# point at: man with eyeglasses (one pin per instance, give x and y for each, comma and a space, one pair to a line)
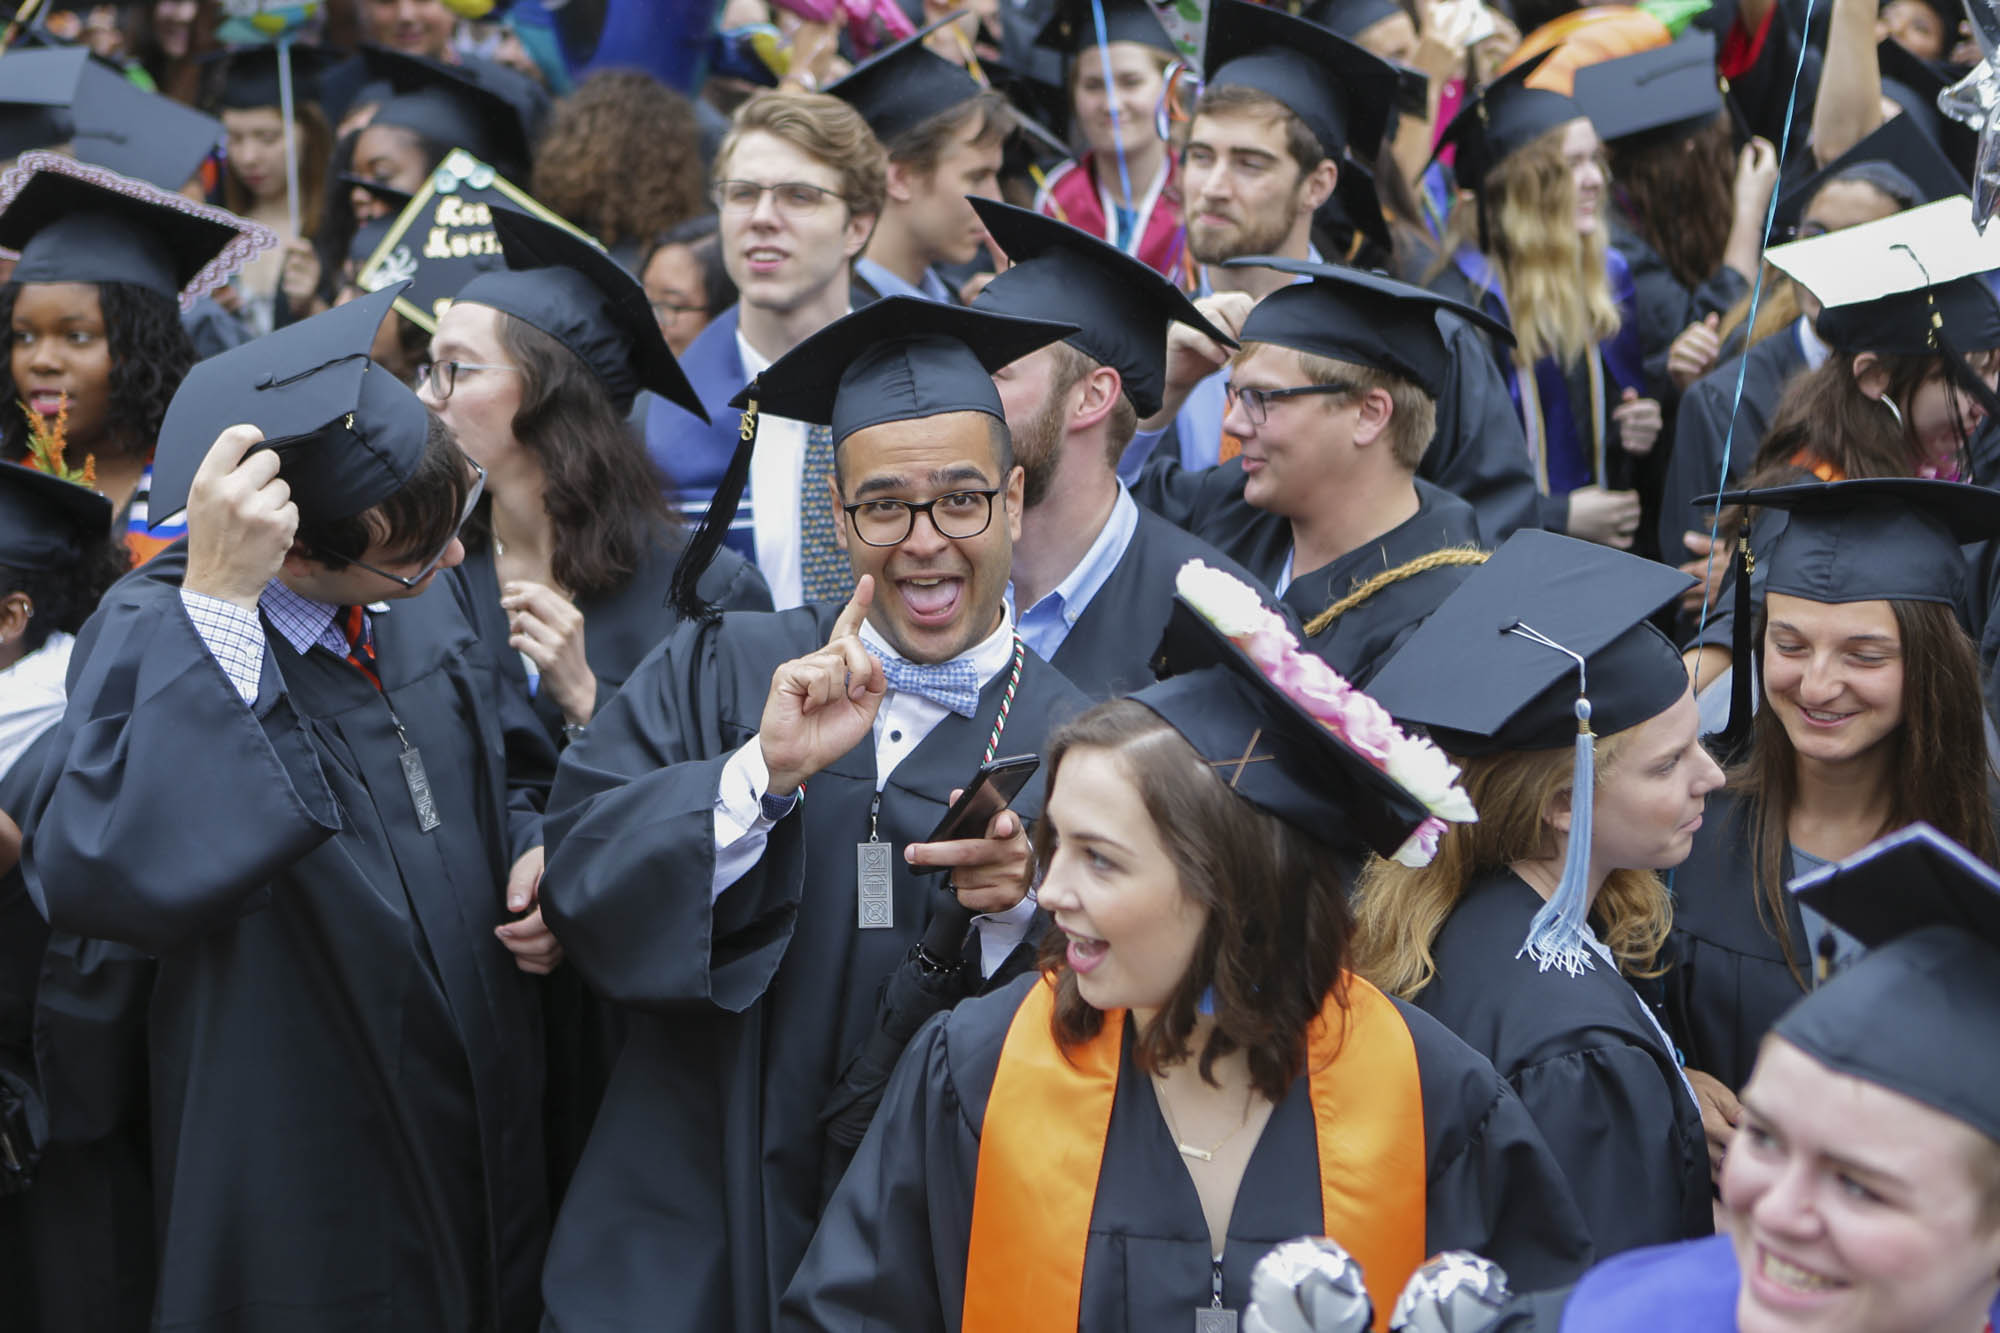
286, 776
1286, 106
737, 845
798, 185
943, 133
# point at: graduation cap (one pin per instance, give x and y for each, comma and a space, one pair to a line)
1918, 249
1913, 84
1898, 158
1072, 27
36, 90
564, 284
250, 74
1344, 94
1501, 119
45, 522
73, 222
348, 434
1363, 318
1266, 746
1123, 305
489, 110
367, 239
445, 237
903, 358
397, 200
1671, 90
905, 85
1919, 1014
53, 97
1351, 18
1548, 643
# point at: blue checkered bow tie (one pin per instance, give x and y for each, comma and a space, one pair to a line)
953, 684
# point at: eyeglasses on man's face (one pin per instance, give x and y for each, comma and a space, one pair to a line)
792, 199
1257, 402
430, 567
955, 514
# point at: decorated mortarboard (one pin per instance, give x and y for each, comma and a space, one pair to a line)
560, 281
1549, 643
1672, 90
903, 358
445, 237
905, 85
47, 519
488, 110
1345, 95
1366, 319
1316, 752
1919, 1014
74, 222
1073, 27
1898, 159
1124, 307
367, 239
348, 434
62, 96
251, 78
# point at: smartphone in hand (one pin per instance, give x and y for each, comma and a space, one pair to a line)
991, 790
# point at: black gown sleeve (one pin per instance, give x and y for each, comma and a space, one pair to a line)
1480, 452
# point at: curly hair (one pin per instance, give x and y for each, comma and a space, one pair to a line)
621, 157
1275, 943
150, 356
64, 595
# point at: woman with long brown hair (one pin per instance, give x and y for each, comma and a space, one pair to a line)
1195, 1076
1871, 720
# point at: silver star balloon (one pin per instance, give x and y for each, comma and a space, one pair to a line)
1975, 101
1308, 1285
1452, 1292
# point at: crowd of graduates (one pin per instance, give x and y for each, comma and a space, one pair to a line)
965, 674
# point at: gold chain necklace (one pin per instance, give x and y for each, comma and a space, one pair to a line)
1188, 1149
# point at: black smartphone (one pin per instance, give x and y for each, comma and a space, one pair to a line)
991, 790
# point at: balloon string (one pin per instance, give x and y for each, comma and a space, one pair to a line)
1127, 214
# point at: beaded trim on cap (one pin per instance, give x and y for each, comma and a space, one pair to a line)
252, 238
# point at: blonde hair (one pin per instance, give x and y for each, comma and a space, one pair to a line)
1399, 911
1414, 420
825, 129
1555, 281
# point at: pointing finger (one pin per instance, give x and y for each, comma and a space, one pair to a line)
855, 611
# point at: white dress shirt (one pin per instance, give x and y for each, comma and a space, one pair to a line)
775, 466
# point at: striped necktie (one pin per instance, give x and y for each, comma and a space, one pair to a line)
360, 652
825, 574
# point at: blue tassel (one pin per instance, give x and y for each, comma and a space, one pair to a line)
1559, 934
1205, 1006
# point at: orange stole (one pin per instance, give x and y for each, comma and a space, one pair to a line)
1040, 1156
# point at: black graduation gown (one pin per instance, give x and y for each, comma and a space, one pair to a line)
701, 1182
1593, 1072
1701, 424
620, 626
1109, 650
1729, 980
344, 1062
891, 1252
1664, 305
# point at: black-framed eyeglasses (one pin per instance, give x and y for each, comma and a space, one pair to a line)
442, 376
793, 199
1257, 402
430, 568
955, 514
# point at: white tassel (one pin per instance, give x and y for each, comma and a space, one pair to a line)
1559, 934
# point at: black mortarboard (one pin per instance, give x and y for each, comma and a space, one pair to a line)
367, 239
902, 87
487, 109
445, 237
348, 433
1672, 90
1898, 158
902, 358
1351, 18
53, 97
1501, 119
73, 222
560, 282
1363, 318
1919, 1014
1072, 27
1472, 675
396, 199
1272, 752
46, 521
1124, 307
1344, 94
250, 76
1913, 84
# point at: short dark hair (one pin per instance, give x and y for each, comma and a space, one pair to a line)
698, 234
415, 523
997, 436
1234, 99
65, 593
922, 146
1276, 941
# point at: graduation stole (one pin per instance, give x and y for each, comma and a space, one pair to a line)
1042, 1147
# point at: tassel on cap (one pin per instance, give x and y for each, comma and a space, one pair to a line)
713, 530
1559, 935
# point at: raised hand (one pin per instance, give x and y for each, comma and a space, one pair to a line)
241, 519
547, 627
821, 705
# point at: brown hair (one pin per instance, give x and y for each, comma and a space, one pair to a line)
600, 489
1414, 421
824, 128
1275, 942
1825, 414
1070, 367
923, 145
1400, 910
621, 157
1940, 764
415, 523
1680, 191
315, 152
1778, 308
1234, 99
